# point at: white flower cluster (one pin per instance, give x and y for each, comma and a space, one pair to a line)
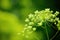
37, 19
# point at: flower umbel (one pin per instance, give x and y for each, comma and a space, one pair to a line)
39, 18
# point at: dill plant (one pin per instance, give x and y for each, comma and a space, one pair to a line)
44, 18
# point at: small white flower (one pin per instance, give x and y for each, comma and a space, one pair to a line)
47, 9
55, 23
58, 25
36, 11
56, 13
51, 20
27, 20
53, 16
51, 11
30, 15
31, 23
58, 28
29, 26
32, 19
34, 29
56, 19
40, 24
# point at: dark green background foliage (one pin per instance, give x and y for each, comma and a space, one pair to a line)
14, 12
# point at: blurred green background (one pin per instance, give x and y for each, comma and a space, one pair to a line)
14, 12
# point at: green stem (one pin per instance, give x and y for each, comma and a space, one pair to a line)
52, 26
54, 35
46, 31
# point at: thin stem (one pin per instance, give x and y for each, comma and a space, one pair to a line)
54, 35
52, 26
46, 31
